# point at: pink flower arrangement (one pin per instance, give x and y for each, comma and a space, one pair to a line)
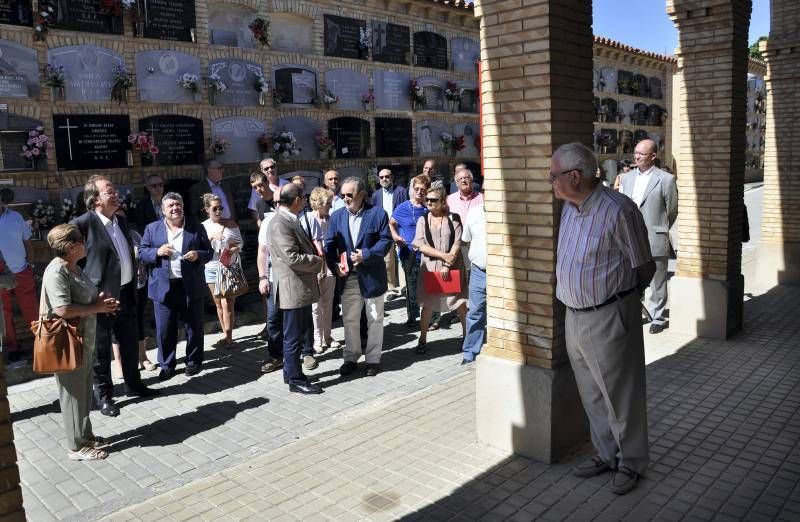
37, 144
324, 143
144, 143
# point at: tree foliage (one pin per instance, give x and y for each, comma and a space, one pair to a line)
754, 51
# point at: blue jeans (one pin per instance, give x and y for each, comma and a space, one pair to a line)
476, 316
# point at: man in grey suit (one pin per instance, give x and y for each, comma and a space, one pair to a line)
295, 268
656, 194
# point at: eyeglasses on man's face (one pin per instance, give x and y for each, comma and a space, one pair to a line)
347, 195
156, 185
554, 175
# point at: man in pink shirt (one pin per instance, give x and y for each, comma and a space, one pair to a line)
467, 197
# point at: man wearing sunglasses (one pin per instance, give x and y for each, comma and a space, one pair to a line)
389, 197
148, 209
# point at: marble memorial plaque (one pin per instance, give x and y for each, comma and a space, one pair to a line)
297, 84
88, 71
430, 50
169, 19
228, 25
179, 139
390, 43
19, 71
240, 78
625, 112
85, 15
16, 12
342, 37
350, 135
463, 53
401, 172
312, 178
391, 90
96, 141
393, 137
157, 73
469, 98
349, 86
353, 170
304, 130
291, 33
243, 134
429, 134
608, 79
625, 82
434, 93
471, 133
14, 130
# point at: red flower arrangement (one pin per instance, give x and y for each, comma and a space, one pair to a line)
144, 143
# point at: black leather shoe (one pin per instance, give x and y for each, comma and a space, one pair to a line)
166, 374
372, 370
142, 391
347, 368
591, 467
305, 389
108, 408
465, 362
193, 369
264, 334
656, 328
624, 480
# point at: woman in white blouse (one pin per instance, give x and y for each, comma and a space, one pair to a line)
221, 238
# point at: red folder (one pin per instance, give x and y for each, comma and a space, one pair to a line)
433, 283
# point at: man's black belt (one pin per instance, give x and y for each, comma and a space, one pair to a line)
612, 299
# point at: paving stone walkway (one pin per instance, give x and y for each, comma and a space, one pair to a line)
724, 420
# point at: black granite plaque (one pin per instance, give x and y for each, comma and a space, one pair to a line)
430, 50
91, 141
402, 173
390, 43
351, 136
16, 12
85, 15
393, 137
296, 85
342, 37
179, 139
169, 19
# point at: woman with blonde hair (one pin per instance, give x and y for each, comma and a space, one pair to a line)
222, 238
69, 294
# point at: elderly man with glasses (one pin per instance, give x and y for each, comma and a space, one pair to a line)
603, 265
272, 183
389, 197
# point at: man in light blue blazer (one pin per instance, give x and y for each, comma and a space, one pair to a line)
360, 231
656, 194
177, 250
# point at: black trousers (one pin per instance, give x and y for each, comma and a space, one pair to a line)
122, 326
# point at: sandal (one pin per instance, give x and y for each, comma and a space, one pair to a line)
433, 326
148, 365
87, 453
421, 347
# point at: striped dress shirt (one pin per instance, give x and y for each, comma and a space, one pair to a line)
600, 243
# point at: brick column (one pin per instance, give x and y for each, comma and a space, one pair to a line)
10, 492
778, 259
711, 90
536, 82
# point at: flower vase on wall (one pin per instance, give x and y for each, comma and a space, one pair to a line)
211, 96
262, 98
57, 93
138, 29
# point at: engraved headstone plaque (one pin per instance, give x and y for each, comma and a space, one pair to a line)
350, 136
393, 137
390, 43
471, 133
179, 139
292, 33
85, 15
312, 178
88, 71
349, 86
19, 71
239, 77
391, 90
228, 25
242, 133
96, 141
342, 37
169, 19
429, 134
16, 12
430, 50
304, 130
434, 93
157, 74
297, 84
464, 52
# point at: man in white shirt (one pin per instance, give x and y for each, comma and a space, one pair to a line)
333, 182
212, 183
274, 327
475, 234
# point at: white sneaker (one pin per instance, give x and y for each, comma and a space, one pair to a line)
309, 363
319, 348
333, 344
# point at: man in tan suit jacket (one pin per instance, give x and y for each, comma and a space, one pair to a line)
295, 268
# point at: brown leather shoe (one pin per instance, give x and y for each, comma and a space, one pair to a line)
271, 365
591, 467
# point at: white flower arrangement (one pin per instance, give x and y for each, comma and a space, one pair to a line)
446, 141
365, 38
262, 85
67, 210
188, 82
216, 83
285, 145
44, 215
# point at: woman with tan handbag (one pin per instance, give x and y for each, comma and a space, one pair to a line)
438, 238
69, 294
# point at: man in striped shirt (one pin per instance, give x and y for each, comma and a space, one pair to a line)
603, 266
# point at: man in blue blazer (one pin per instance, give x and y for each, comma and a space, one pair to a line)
177, 250
361, 232
388, 197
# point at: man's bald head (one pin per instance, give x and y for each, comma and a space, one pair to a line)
644, 154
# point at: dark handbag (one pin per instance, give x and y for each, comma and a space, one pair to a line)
231, 281
57, 343
434, 283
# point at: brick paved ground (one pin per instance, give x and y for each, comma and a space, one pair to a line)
724, 432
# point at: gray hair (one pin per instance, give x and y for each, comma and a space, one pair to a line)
577, 156
213, 164
90, 190
463, 169
438, 186
361, 186
174, 196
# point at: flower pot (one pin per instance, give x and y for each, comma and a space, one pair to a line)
275, 103
452, 105
323, 154
138, 29
262, 98
211, 96
327, 106
57, 93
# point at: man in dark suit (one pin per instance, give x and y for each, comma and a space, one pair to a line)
148, 209
110, 264
361, 231
178, 249
295, 268
388, 197
212, 183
